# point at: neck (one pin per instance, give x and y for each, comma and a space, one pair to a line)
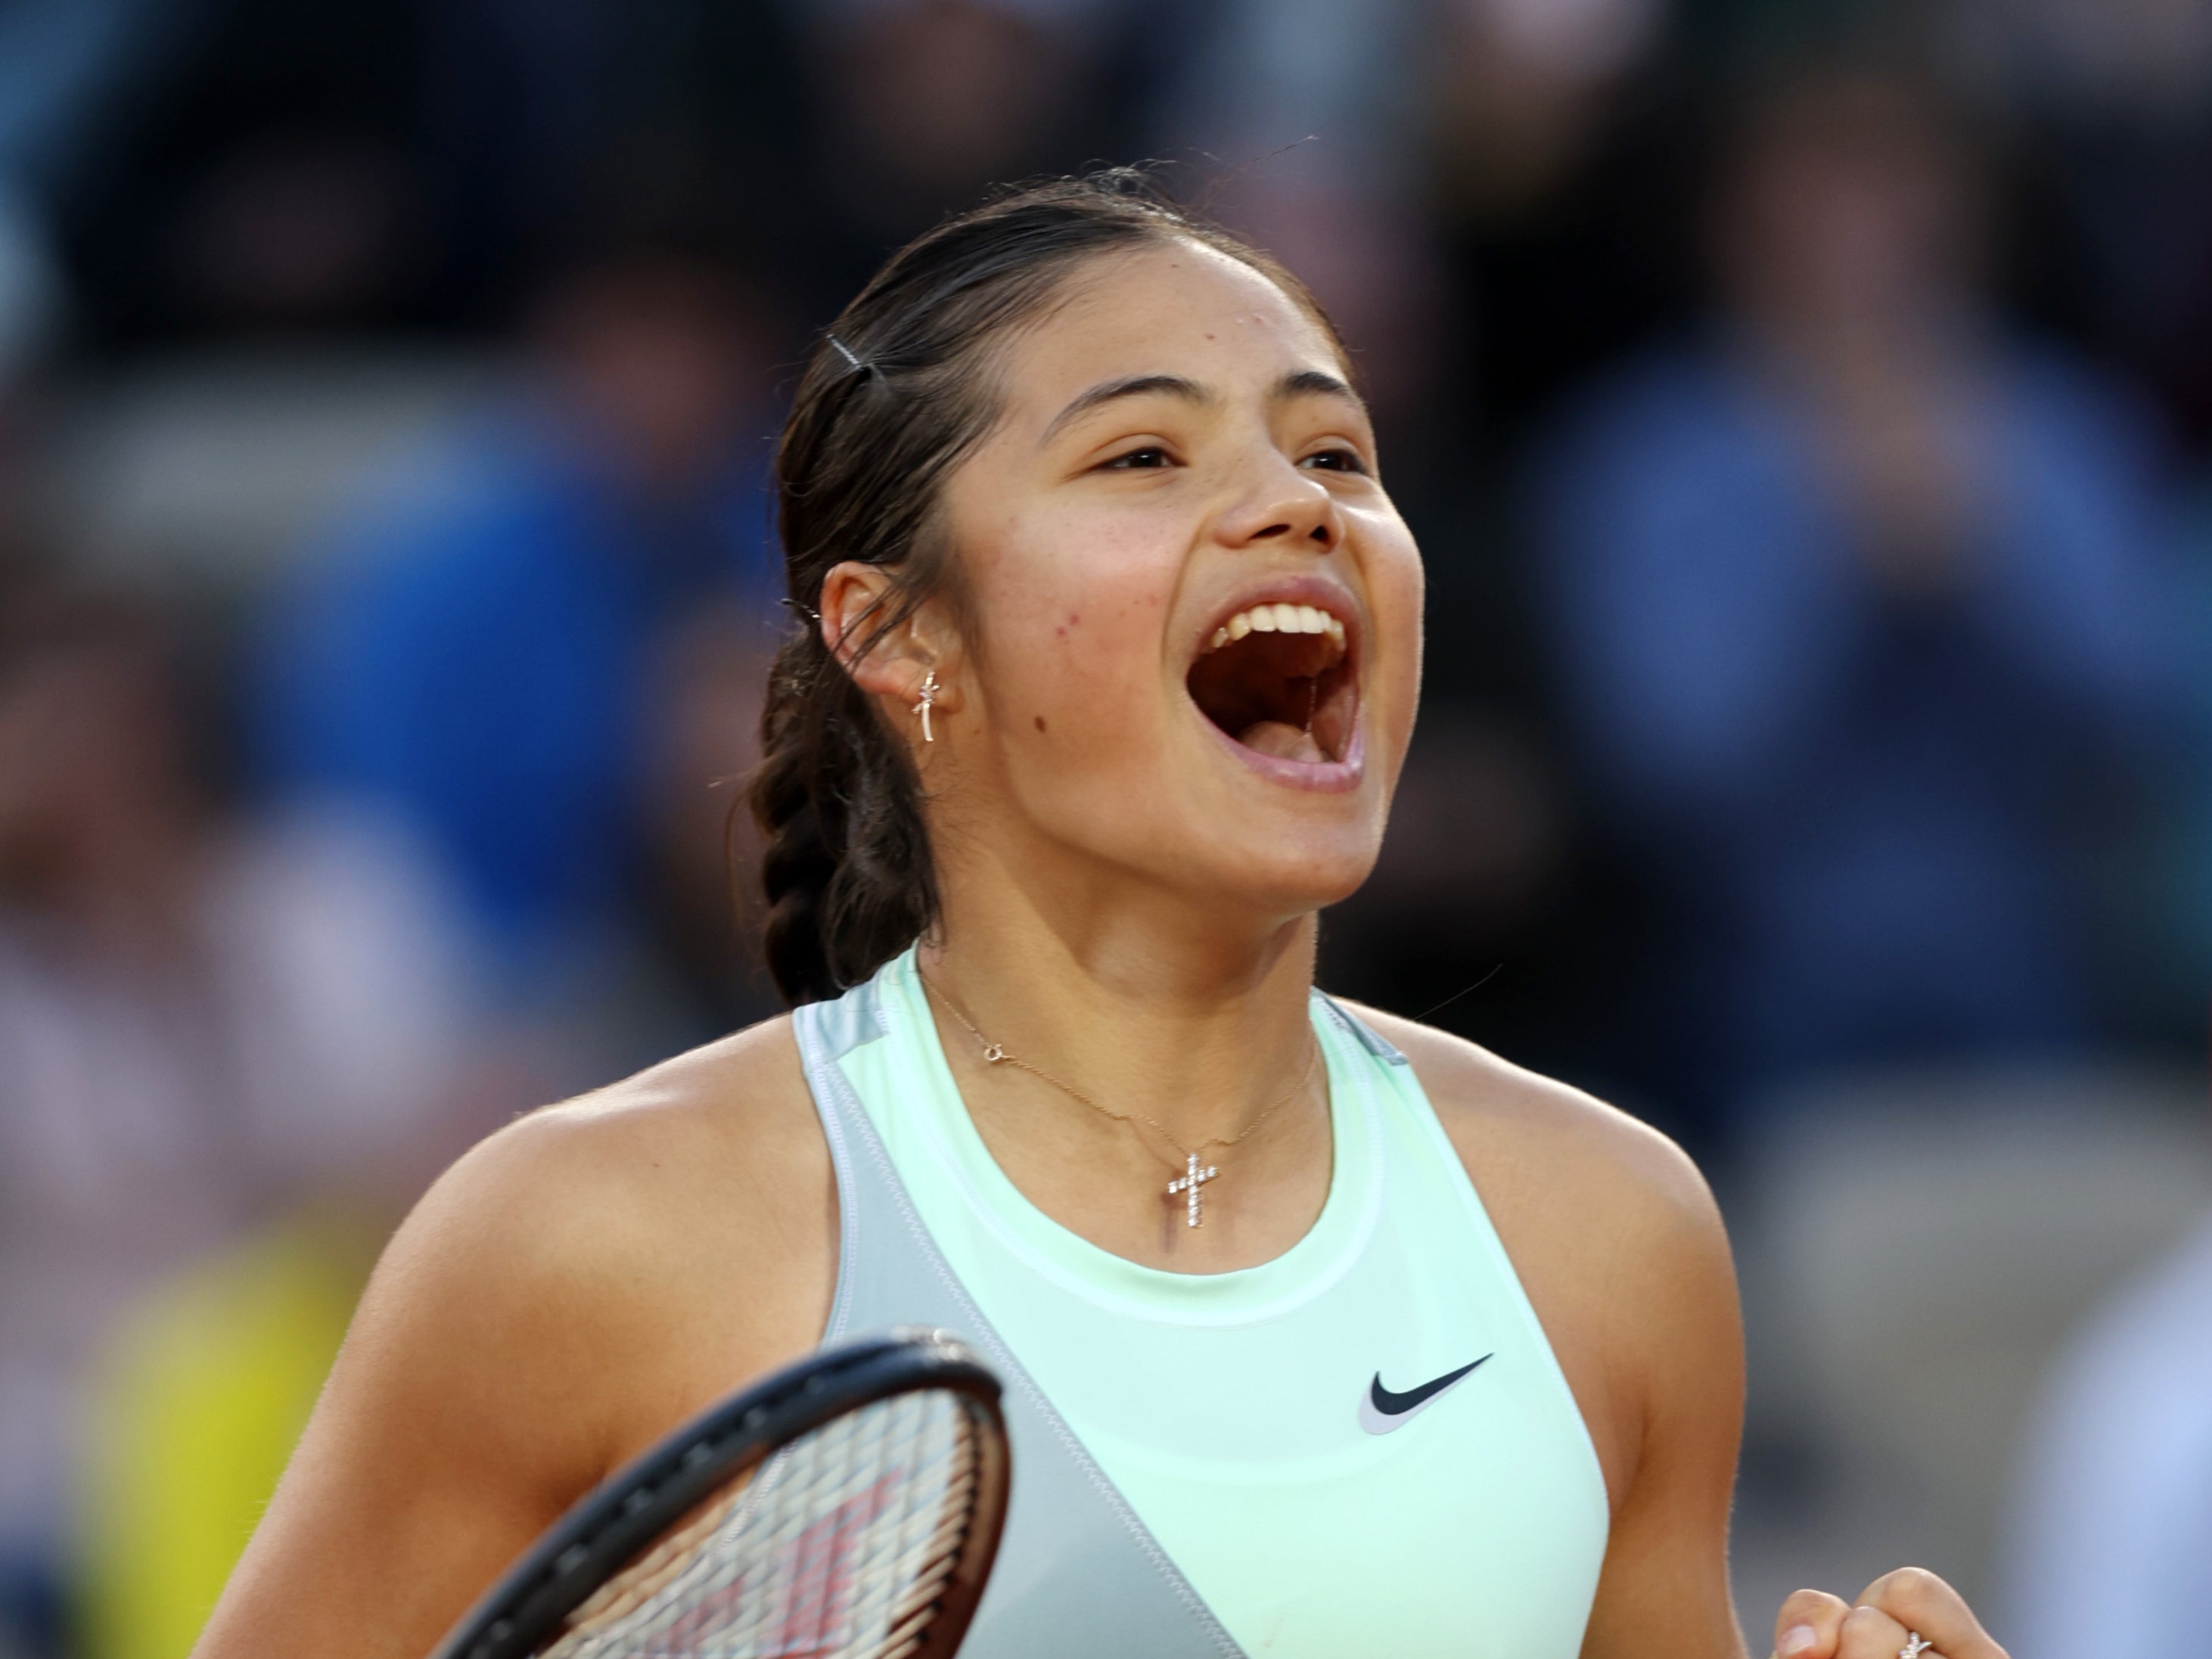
1146, 1001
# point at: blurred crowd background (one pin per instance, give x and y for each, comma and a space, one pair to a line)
1806, 412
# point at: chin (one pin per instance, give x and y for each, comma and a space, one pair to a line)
1260, 876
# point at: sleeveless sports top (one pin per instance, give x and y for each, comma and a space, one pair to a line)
1362, 1447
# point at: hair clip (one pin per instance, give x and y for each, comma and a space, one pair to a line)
805, 610
860, 365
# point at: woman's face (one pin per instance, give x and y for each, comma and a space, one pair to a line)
1194, 637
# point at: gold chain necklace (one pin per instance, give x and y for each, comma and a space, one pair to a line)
1195, 1175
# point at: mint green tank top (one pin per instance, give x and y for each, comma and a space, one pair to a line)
1364, 1446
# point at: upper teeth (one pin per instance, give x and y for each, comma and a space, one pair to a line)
1278, 619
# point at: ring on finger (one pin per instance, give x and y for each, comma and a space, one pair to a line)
1915, 1646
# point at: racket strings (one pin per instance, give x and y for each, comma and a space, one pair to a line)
645, 1578
838, 1548
931, 1562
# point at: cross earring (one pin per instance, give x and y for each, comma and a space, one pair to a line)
922, 708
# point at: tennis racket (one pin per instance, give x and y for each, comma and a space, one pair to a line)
847, 1507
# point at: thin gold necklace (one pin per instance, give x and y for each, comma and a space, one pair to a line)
1195, 1175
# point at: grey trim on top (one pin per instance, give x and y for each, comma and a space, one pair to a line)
1370, 1039
849, 1021
1079, 1576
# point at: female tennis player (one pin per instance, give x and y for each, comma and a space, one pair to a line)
1324, 1334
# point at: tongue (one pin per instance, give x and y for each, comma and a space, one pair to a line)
1283, 742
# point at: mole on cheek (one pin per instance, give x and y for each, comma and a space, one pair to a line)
1040, 722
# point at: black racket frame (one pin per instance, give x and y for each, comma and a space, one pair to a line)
621, 1517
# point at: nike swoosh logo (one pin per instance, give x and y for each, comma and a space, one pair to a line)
1381, 1410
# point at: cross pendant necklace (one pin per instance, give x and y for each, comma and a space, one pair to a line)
1192, 1179
1195, 1175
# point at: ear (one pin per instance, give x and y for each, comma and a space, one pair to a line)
892, 663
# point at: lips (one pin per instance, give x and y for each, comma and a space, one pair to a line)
1276, 678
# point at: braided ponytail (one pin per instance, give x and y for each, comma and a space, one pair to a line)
845, 865
898, 393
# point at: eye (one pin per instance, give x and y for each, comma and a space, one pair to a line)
1150, 457
1336, 460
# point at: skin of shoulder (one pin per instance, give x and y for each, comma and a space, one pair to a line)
1618, 1242
570, 1291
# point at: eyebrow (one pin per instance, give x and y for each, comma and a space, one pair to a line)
1130, 386
1313, 383
1299, 383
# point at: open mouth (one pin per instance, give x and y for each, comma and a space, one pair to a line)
1278, 679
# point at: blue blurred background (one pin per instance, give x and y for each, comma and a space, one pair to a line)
1806, 411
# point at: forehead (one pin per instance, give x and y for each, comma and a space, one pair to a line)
1179, 308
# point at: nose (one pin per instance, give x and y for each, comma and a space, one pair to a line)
1286, 506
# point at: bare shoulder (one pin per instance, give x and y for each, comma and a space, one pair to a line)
565, 1294
1521, 1132
1610, 1225
609, 1262
722, 1129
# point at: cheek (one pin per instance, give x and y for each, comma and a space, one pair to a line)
1409, 630
1397, 590
1073, 629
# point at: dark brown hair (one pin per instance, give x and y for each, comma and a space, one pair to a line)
894, 397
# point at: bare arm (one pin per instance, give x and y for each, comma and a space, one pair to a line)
1617, 1240
1620, 1245
458, 1420
1676, 1340
568, 1292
